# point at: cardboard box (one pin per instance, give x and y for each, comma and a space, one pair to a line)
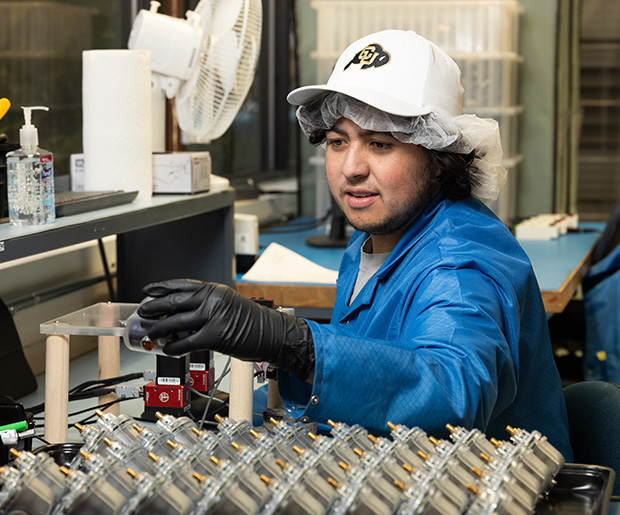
173, 172
181, 172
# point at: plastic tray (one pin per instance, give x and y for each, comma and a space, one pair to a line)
580, 490
454, 25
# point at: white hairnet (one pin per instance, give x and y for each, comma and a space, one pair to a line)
435, 131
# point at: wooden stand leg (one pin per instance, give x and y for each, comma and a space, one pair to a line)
109, 366
241, 400
56, 388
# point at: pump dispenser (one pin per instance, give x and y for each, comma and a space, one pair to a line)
30, 177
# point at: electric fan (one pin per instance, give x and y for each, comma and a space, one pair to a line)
206, 62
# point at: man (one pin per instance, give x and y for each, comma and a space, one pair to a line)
438, 316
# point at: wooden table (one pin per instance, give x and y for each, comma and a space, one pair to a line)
561, 264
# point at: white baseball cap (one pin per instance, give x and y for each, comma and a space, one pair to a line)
396, 71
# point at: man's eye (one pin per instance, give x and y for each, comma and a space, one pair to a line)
380, 145
334, 142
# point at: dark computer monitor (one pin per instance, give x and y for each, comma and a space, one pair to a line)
337, 234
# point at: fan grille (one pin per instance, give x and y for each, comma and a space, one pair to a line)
210, 99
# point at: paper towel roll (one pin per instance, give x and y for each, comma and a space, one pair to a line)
116, 97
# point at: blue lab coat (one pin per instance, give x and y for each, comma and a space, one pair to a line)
451, 329
601, 300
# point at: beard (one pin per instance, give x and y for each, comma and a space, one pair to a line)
405, 213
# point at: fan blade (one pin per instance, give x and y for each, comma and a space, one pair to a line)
226, 56
225, 15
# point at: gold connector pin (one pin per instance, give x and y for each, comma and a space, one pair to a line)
400, 485
199, 477
333, 482
477, 471
473, 489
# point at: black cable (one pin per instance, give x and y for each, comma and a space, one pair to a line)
292, 228
38, 437
96, 392
107, 382
76, 396
276, 192
88, 389
223, 374
36, 409
101, 407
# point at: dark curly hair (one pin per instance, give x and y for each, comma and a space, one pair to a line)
456, 172
456, 169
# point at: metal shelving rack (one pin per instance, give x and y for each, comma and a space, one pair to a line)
599, 148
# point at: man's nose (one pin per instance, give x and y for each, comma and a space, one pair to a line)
355, 163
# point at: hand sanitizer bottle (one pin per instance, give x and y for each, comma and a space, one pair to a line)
30, 178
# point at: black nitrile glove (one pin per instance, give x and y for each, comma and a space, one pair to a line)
218, 318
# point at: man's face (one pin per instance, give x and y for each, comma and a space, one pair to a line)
380, 184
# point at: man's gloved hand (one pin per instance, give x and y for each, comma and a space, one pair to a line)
220, 319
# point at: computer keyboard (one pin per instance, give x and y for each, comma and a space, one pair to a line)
74, 202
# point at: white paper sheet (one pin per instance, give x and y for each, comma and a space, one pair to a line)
281, 265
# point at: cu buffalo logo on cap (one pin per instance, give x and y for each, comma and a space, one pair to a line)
372, 56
